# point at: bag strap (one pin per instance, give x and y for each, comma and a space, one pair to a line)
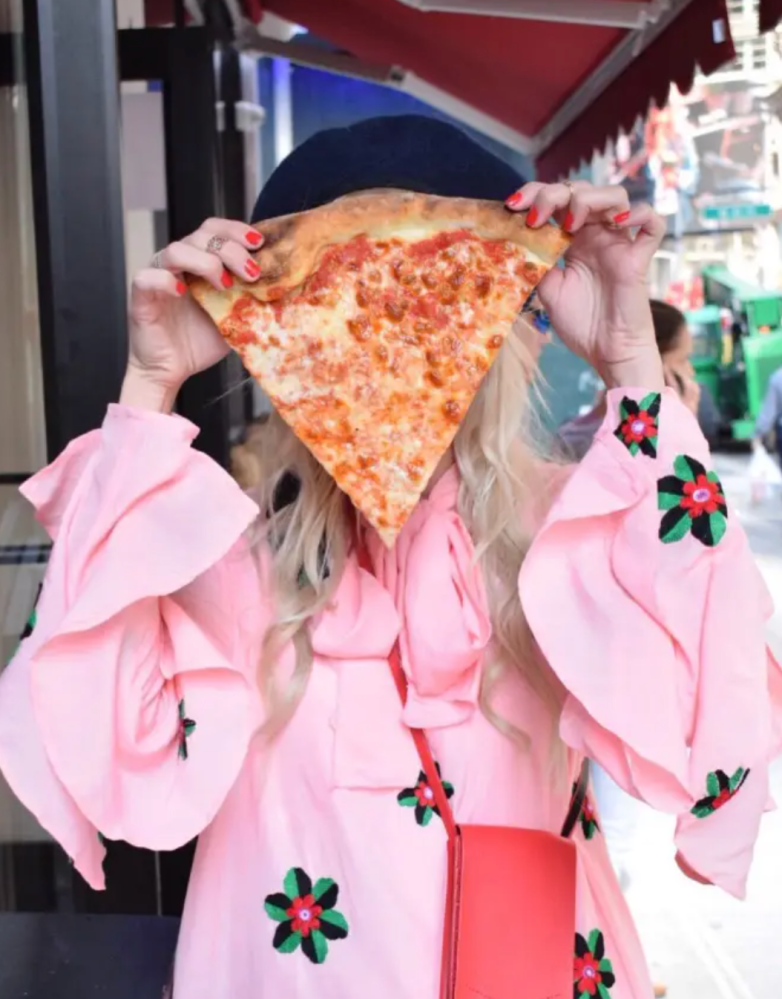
428, 764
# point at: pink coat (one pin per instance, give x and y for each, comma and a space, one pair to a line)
320, 866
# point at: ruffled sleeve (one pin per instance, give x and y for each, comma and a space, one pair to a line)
643, 596
130, 708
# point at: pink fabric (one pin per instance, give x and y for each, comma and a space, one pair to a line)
661, 647
154, 607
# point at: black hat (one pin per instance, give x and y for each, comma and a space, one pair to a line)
408, 152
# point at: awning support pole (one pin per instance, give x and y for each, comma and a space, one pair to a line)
596, 13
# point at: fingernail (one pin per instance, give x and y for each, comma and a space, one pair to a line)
226, 280
514, 200
254, 238
251, 269
181, 287
569, 220
621, 217
532, 216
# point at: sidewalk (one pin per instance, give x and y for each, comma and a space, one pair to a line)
699, 941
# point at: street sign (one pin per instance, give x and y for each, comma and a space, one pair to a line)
732, 213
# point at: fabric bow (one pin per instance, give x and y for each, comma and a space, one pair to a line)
437, 588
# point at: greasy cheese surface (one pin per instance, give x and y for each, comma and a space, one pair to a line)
376, 358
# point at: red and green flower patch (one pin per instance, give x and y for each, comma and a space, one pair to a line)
592, 971
29, 627
694, 503
588, 817
306, 916
720, 789
32, 620
421, 798
639, 425
186, 728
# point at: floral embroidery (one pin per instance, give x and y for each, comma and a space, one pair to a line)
32, 620
721, 788
592, 971
421, 797
588, 817
186, 728
694, 502
306, 915
639, 425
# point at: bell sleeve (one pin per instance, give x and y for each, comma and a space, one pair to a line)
643, 596
130, 707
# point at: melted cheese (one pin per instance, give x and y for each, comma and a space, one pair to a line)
375, 360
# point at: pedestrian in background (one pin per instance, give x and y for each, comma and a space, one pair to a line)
674, 341
769, 421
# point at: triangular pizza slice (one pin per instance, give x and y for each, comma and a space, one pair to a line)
373, 324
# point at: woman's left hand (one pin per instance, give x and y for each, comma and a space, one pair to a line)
599, 302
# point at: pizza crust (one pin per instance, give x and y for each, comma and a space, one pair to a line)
373, 325
293, 244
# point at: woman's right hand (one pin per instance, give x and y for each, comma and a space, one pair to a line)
171, 337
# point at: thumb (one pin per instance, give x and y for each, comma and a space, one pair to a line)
550, 288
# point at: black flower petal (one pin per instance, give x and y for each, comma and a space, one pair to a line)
304, 881
281, 934
329, 897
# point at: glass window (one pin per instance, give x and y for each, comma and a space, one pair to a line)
28, 862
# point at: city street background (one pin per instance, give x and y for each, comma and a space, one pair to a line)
699, 941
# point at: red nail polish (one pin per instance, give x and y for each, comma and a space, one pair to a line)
226, 280
254, 238
621, 217
251, 269
569, 220
181, 287
532, 216
514, 200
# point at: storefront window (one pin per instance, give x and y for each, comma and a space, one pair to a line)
23, 545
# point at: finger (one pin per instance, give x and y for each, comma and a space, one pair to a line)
550, 288
554, 200
183, 257
524, 197
153, 279
651, 226
233, 255
240, 232
596, 204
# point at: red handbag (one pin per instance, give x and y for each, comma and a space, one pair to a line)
510, 909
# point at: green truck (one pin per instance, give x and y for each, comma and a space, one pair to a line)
737, 345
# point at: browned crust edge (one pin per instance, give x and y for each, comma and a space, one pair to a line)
293, 244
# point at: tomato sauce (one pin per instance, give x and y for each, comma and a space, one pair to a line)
351, 256
238, 327
442, 241
428, 307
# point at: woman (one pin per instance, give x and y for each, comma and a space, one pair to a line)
674, 342
184, 680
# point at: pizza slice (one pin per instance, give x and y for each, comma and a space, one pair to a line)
373, 324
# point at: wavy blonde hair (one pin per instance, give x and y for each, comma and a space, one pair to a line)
497, 451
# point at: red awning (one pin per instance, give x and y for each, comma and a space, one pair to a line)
769, 14
531, 76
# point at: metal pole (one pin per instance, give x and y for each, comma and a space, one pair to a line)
71, 65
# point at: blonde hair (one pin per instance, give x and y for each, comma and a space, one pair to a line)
498, 456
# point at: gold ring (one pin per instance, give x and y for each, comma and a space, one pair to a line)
215, 244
